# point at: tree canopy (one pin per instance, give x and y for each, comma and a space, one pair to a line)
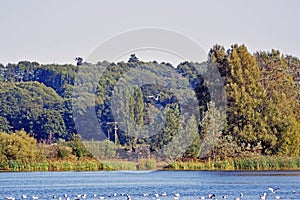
261, 91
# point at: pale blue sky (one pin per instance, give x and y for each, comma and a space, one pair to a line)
57, 31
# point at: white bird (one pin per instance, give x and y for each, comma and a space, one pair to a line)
236, 198
112, 195
273, 190
177, 195
224, 197
202, 197
94, 195
9, 198
101, 198
83, 196
176, 198
156, 195
24, 196
210, 196
145, 194
277, 197
163, 194
35, 197
241, 195
65, 195
156, 98
263, 197
128, 197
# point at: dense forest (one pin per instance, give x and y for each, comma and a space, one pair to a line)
262, 107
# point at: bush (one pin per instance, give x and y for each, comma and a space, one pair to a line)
101, 149
146, 164
17, 149
63, 151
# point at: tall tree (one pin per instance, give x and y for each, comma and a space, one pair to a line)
282, 111
168, 141
136, 108
191, 130
245, 96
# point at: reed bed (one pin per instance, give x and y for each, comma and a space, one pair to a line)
251, 163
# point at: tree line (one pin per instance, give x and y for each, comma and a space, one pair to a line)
261, 92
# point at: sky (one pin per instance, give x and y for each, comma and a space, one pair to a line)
57, 31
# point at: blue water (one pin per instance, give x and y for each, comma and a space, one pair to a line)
190, 184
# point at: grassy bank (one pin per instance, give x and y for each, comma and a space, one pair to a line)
81, 165
257, 163
254, 163
56, 165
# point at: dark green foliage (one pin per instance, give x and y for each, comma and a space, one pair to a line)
173, 126
78, 148
33, 107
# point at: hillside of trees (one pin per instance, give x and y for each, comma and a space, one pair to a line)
262, 107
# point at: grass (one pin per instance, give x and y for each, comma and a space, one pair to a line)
253, 163
147, 164
58, 165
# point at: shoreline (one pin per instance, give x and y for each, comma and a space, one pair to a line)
262, 163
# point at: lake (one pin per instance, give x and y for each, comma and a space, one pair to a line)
189, 184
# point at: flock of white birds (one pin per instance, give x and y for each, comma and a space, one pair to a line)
156, 196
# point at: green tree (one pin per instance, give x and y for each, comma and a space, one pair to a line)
168, 142
173, 123
191, 130
78, 147
245, 97
16, 148
25, 105
282, 112
52, 126
136, 108
211, 129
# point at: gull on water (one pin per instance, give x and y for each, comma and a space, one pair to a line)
273, 190
263, 197
163, 194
